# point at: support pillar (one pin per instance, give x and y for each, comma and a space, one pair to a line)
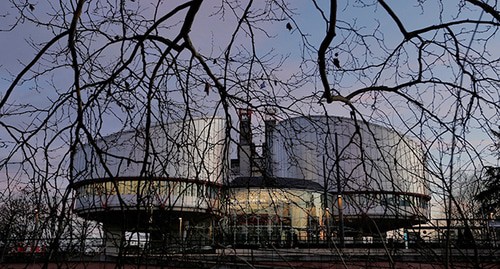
114, 240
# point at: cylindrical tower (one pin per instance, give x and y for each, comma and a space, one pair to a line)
163, 181
380, 172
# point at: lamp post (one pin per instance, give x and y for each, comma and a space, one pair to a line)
339, 194
35, 233
325, 199
180, 230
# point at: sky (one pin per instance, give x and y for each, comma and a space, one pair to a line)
210, 36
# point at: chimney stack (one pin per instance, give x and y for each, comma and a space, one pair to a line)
245, 152
269, 125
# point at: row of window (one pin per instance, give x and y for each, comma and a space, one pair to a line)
153, 187
389, 200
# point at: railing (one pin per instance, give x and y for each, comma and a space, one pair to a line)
201, 241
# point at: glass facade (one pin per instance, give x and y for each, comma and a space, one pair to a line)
198, 196
276, 216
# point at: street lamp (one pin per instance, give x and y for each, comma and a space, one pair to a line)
180, 229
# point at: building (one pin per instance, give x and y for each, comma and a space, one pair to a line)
346, 180
283, 212
166, 183
315, 181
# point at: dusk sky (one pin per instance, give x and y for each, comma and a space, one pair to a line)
211, 34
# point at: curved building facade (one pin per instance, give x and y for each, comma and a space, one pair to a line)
283, 212
377, 174
166, 181
318, 178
